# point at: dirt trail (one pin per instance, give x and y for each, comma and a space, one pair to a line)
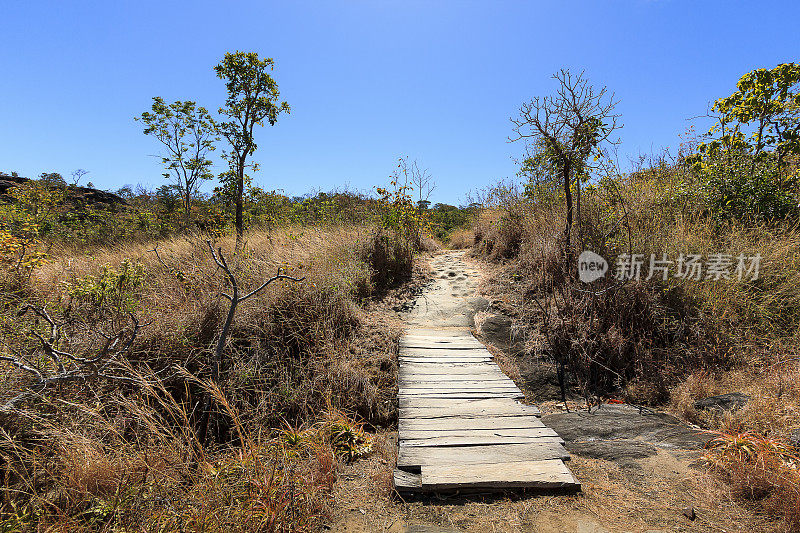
644, 480
447, 302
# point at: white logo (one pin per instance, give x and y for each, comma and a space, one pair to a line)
591, 266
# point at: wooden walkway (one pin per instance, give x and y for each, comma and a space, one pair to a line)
461, 426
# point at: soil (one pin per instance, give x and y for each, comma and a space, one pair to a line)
641, 470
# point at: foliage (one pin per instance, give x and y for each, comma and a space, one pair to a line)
252, 99
32, 212
113, 291
768, 103
748, 167
399, 212
188, 134
738, 186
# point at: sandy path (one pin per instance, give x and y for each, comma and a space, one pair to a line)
447, 302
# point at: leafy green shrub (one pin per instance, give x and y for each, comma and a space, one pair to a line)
737, 187
113, 291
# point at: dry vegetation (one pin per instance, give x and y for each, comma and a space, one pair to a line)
99, 454
664, 342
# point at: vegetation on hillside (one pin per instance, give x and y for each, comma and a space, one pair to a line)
702, 291
133, 395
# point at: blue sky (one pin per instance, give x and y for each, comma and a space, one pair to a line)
368, 81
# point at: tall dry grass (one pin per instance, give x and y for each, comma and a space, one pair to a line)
667, 342
100, 455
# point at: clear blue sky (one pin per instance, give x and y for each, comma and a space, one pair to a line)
368, 81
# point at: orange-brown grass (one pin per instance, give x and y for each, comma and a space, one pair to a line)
100, 455
694, 339
461, 238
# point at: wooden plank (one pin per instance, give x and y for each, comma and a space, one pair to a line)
457, 443
441, 360
538, 474
444, 353
458, 383
530, 432
416, 408
450, 370
466, 395
468, 383
415, 456
432, 350
458, 424
406, 481
455, 388
479, 376
477, 407
431, 393
458, 378
480, 440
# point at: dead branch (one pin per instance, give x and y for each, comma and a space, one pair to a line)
235, 300
70, 366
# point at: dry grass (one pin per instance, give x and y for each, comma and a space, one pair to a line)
656, 341
98, 456
461, 239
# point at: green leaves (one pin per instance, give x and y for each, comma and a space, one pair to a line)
767, 107
188, 134
252, 99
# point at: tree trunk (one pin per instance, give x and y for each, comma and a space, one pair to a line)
566, 169
188, 206
239, 201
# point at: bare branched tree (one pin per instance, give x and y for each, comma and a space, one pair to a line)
77, 175
566, 129
59, 366
235, 299
423, 183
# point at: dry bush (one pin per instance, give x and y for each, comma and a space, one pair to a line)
95, 455
461, 239
656, 340
292, 346
128, 465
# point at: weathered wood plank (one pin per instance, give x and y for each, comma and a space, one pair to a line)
406, 481
459, 424
449, 378
418, 350
457, 383
467, 395
415, 456
480, 440
471, 393
441, 360
476, 407
455, 443
437, 341
410, 369
530, 432
541, 474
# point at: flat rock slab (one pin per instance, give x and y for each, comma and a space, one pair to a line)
620, 433
460, 426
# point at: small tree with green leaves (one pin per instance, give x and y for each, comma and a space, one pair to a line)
252, 99
188, 134
762, 117
747, 165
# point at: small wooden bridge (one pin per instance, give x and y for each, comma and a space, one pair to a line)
461, 426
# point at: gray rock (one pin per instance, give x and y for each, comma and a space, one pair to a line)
731, 401
621, 432
619, 451
794, 439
